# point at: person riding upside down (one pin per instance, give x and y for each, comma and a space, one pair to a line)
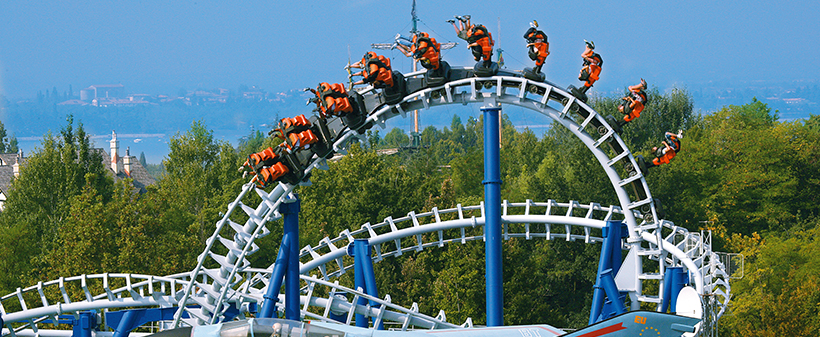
376, 70
481, 43
592, 66
634, 103
464, 26
669, 148
331, 99
424, 49
537, 45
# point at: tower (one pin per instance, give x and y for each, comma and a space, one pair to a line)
116, 164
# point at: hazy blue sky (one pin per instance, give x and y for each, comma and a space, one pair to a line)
158, 47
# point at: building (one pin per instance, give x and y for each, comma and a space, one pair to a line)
102, 91
118, 166
125, 166
9, 169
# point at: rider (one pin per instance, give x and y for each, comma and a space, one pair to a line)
376, 70
481, 42
266, 166
331, 99
425, 49
634, 103
592, 66
296, 133
537, 45
464, 26
671, 147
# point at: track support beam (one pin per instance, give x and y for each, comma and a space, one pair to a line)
674, 279
286, 267
492, 224
364, 278
608, 265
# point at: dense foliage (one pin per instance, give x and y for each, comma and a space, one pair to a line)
750, 178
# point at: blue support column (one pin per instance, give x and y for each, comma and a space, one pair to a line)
610, 252
271, 296
358, 283
619, 232
85, 324
612, 293
127, 323
290, 211
286, 264
124, 321
674, 279
492, 216
679, 281
364, 277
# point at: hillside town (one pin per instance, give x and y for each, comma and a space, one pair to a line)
116, 95
793, 100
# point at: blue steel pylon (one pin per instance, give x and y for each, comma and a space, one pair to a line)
492, 216
286, 267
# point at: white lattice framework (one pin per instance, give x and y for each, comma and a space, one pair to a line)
205, 294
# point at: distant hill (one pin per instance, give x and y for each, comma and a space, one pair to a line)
147, 127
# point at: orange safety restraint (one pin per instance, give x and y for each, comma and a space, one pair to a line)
671, 148
484, 39
296, 132
533, 34
269, 175
539, 52
267, 167
636, 105
592, 67
333, 99
427, 50
378, 70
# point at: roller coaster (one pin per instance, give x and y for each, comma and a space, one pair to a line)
235, 289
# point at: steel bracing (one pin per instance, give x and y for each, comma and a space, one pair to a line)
206, 294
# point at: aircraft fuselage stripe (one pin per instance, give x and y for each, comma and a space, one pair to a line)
604, 331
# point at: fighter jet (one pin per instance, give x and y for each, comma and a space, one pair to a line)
634, 323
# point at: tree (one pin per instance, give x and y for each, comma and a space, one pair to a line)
383, 189
12, 146
38, 201
738, 169
396, 138
779, 292
373, 139
671, 111
3, 134
190, 172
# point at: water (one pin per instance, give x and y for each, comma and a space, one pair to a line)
153, 145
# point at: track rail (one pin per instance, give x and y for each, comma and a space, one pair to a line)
549, 220
213, 289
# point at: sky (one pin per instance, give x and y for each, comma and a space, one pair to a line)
160, 47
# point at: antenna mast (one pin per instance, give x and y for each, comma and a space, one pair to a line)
415, 135
415, 18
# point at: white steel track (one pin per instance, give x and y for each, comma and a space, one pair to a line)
204, 294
